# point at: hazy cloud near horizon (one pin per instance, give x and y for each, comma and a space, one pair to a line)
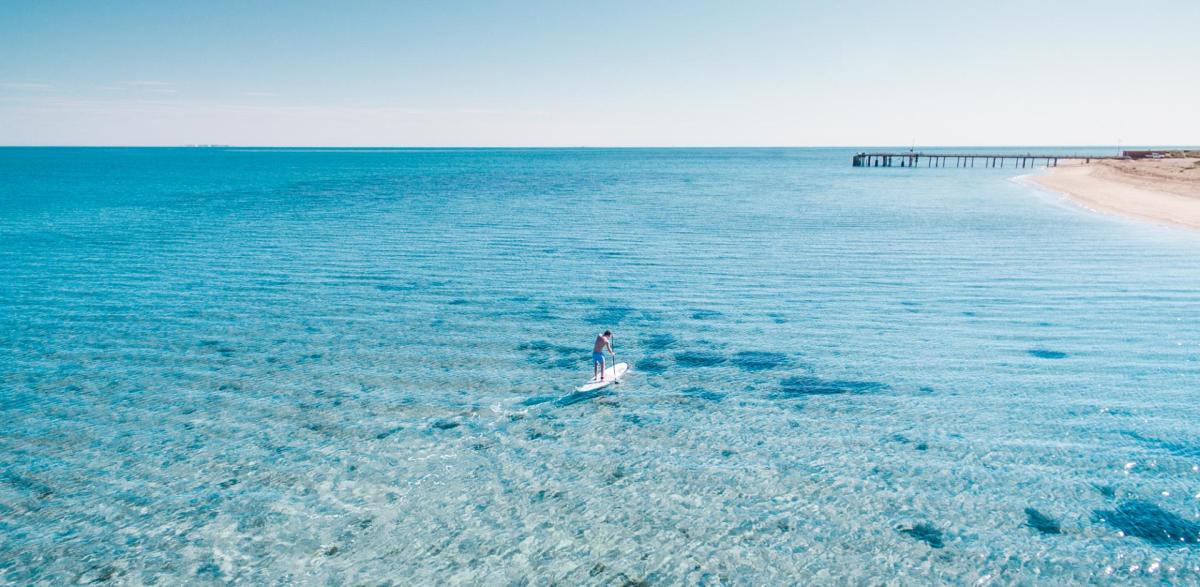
558, 74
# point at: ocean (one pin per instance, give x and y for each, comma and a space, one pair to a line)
321, 366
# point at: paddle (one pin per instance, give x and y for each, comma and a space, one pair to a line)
613, 352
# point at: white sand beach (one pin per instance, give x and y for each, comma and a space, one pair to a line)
1165, 191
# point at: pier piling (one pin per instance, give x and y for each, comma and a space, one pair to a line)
961, 160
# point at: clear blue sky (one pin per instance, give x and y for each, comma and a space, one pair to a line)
599, 73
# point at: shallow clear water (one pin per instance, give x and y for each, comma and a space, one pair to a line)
275, 366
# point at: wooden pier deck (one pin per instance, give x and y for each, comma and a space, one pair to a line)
914, 159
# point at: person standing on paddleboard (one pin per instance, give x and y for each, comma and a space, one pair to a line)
603, 343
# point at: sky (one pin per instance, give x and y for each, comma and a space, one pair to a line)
602, 73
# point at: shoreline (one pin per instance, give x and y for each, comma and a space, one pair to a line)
1162, 191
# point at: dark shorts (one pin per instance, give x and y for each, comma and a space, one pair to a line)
598, 358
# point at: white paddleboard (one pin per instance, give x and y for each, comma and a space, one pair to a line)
611, 374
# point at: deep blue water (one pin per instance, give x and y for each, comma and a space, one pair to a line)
331, 366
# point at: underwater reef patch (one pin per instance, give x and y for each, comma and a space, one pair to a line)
759, 360
26, 484
1047, 354
608, 315
801, 385
552, 356
652, 366
397, 288
1041, 522
699, 359
1182, 449
386, 433
1145, 520
704, 394
659, 342
925, 532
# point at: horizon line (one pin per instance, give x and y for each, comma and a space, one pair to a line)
577, 147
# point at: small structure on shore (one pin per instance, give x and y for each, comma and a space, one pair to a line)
1163, 154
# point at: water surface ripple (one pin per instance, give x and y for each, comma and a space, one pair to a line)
289, 366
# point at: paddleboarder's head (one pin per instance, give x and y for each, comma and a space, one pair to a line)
607, 334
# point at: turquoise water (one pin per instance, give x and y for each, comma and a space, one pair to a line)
315, 366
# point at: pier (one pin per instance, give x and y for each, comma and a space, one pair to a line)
915, 159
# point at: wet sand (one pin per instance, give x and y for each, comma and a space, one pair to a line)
1165, 191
